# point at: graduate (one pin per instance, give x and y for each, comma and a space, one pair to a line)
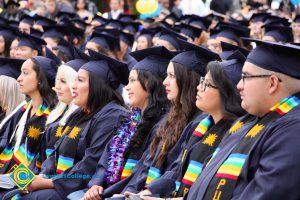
149, 104
183, 74
264, 153
169, 39
87, 131
10, 94
21, 134
144, 39
275, 33
29, 46
7, 35
256, 23
26, 22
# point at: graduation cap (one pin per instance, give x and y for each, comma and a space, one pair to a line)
55, 31
27, 20
171, 37
109, 31
80, 58
31, 41
10, 67
127, 18
11, 2
8, 32
190, 31
112, 23
43, 21
105, 41
278, 57
233, 67
131, 27
154, 60
127, 38
195, 57
200, 22
36, 32
233, 31
148, 32
80, 23
259, 17
279, 33
275, 20
66, 48
48, 66
51, 55
172, 16
62, 14
230, 49
12, 23
243, 22
215, 17
107, 68
297, 19
70, 28
100, 19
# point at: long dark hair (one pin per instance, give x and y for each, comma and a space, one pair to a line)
231, 100
7, 44
100, 94
183, 110
157, 106
48, 95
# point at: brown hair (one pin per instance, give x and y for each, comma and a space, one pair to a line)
182, 111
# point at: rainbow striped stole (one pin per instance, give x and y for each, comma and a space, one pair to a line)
232, 167
16, 197
153, 174
49, 152
64, 163
128, 168
6, 155
20, 155
43, 109
203, 126
192, 172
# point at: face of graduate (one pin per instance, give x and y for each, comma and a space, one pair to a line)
208, 98
2, 44
170, 83
268, 38
13, 49
51, 42
28, 82
296, 29
24, 28
115, 5
142, 43
254, 91
256, 28
62, 89
24, 52
138, 97
166, 44
81, 89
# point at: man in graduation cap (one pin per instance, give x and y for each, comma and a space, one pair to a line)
29, 46
26, 23
260, 158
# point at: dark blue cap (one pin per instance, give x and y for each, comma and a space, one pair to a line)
171, 36
229, 49
52, 56
62, 14
127, 18
109, 69
131, 27
108, 31
200, 22
277, 57
11, 2
112, 23
80, 23
8, 32
275, 20
242, 22
127, 38
233, 31
10, 67
279, 33
12, 23
80, 58
48, 66
70, 28
67, 48
215, 17
233, 69
154, 60
105, 41
195, 58
36, 32
259, 17
100, 19
43, 21
297, 19
55, 31
172, 16
31, 41
27, 20
190, 31
148, 33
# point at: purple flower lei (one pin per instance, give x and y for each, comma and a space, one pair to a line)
118, 146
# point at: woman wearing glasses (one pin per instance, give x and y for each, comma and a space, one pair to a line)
218, 97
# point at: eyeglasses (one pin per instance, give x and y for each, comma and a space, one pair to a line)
244, 76
204, 84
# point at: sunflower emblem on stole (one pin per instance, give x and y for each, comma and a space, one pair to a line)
34, 133
255, 130
210, 139
236, 127
74, 132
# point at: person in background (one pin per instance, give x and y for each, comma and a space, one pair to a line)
115, 9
